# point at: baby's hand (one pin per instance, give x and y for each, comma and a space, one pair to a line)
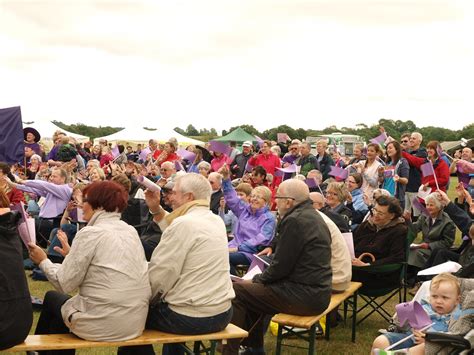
419, 336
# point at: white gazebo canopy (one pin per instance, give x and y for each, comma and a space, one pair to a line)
135, 135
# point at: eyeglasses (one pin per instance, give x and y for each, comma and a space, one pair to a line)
329, 193
404, 141
256, 197
380, 213
284, 197
295, 148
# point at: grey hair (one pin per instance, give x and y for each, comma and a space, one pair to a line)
197, 184
433, 198
168, 164
36, 156
296, 189
418, 135
205, 165
276, 149
216, 176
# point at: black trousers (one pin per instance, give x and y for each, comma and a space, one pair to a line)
251, 305
51, 320
16, 317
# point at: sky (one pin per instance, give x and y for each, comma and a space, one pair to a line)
218, 64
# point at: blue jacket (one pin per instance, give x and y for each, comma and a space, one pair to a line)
252, 229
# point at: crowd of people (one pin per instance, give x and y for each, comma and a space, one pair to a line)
161, 258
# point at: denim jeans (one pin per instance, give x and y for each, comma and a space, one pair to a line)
235, 259
70, 230
161, 317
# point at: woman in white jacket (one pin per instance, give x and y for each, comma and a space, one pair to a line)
107, 264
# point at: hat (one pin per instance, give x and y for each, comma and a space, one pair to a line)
27, 130
247, 144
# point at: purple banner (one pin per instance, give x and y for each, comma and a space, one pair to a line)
12, 148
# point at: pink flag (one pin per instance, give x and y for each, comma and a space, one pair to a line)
283, 138
427, 169
186, 154
219, 147
380, 139
311, 182
413, 314
293, 168
419, 206
144, 153
259, 141
339, 172
388, 173
26, 227
115, 151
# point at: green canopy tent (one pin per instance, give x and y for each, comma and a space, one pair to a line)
237, 135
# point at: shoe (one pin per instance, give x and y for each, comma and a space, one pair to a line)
250, 351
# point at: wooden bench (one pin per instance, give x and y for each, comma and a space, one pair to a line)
70, 341
288, 321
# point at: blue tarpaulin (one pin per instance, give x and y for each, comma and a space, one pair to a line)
11, 135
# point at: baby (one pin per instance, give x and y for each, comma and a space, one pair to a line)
444, 303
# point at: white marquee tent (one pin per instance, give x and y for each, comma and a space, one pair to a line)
135, 135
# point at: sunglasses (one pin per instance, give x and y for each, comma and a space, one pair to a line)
404, 141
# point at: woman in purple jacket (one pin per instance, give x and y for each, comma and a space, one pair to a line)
255, 225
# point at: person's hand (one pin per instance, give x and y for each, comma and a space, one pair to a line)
357, 262
425, 187
152, 199
460, 191
70, 206
349, 197
367, 199
233, 250
224, 171
407, 215
442, 197
424, 246
419, 337
267, 251
381, 170
36, 254
65, 247
396, 178
51, 162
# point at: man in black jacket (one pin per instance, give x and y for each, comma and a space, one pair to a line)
298, 281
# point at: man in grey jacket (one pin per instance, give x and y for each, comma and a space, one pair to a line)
298, 281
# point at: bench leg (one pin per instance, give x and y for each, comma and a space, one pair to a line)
312, 338
328, 326
212, 349
279, 339
354, 317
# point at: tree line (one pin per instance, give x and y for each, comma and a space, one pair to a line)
394, 128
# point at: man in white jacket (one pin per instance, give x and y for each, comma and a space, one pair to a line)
189, 269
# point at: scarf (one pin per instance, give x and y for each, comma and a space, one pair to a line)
182, 210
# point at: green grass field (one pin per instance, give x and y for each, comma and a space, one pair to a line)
339, 343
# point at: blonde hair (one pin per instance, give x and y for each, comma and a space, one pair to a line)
265, 192
446, 277
244, 188
339, 188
